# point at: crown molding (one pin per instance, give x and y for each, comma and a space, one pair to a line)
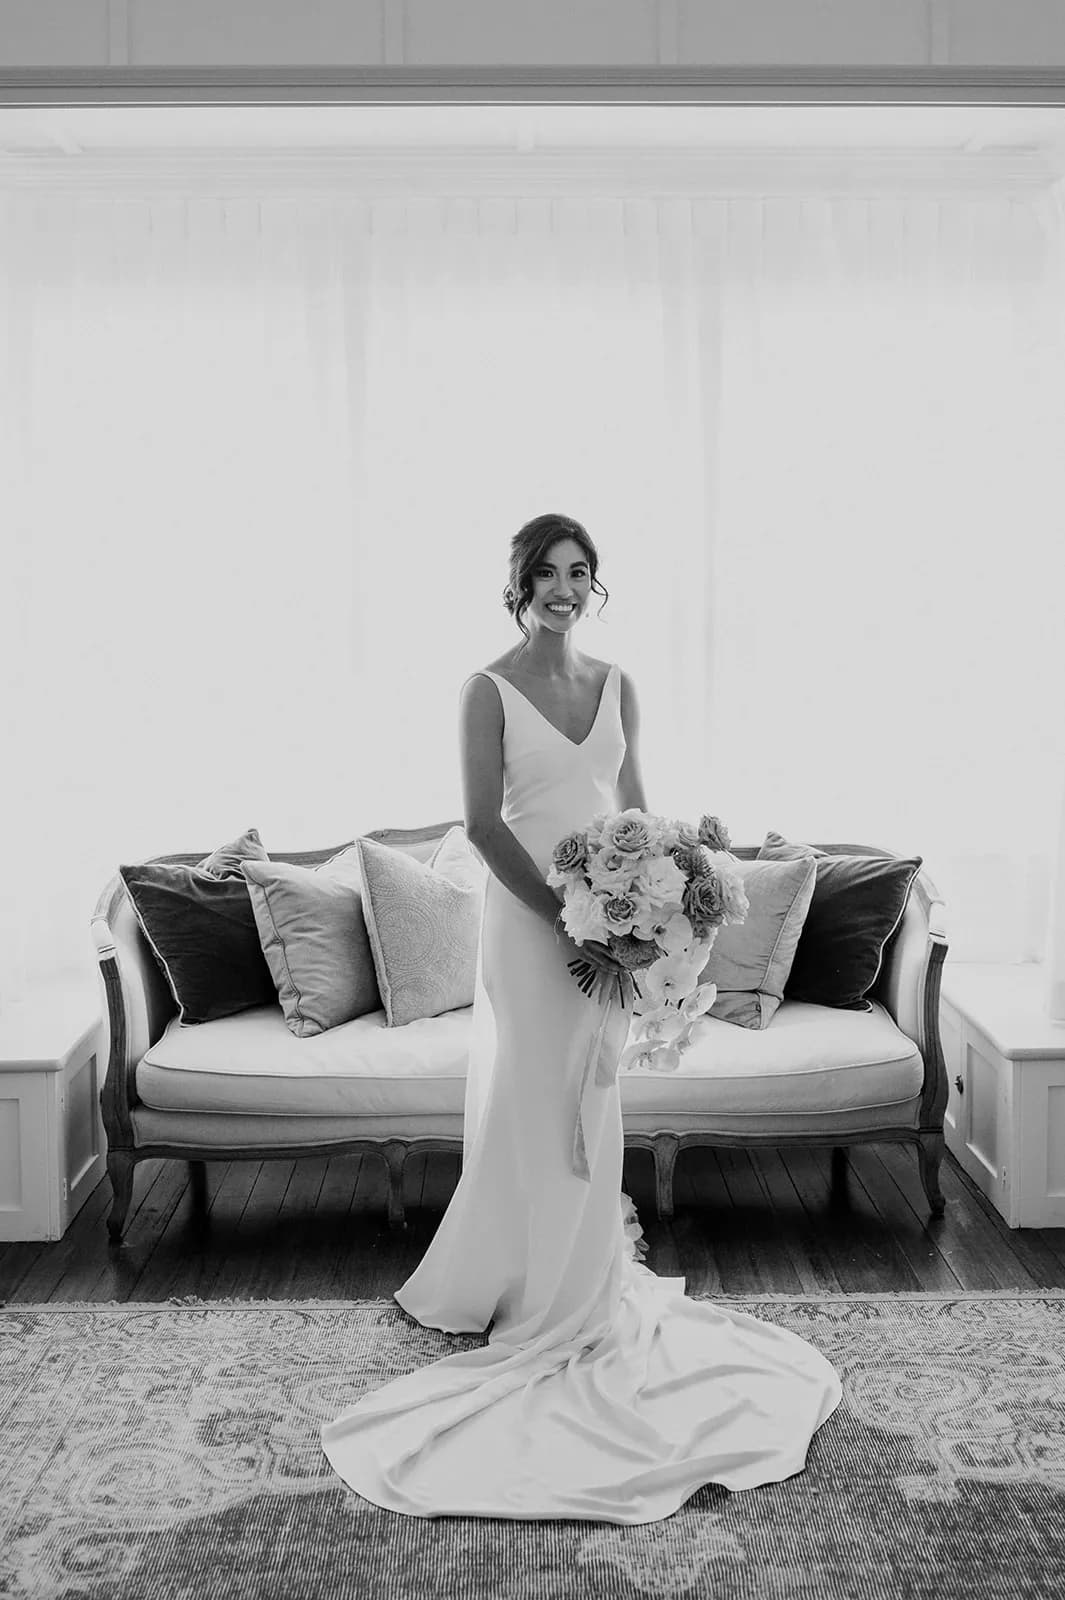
664, 84
431, 172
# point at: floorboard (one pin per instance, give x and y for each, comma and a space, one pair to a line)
787, 1220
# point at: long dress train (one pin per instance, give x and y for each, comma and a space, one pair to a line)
603, 1391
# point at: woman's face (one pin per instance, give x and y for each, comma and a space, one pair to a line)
563, 576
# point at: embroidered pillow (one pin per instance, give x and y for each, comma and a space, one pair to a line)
423, 929
750, 960
856, 908
313, 935
456, 858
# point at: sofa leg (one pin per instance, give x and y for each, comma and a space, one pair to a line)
120, 1165
198, 1185
929, 1155
664, 1150
395, 1154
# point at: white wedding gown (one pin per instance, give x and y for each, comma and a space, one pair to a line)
603, 1392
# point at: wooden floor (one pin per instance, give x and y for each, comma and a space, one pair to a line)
786, 1221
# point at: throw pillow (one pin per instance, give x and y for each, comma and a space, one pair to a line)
313, 935
203, 933
225, 862
423, 932
750, 961
856, 908
456, 858
421, 843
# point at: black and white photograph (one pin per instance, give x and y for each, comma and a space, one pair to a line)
532, 684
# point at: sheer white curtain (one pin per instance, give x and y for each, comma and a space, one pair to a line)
265, 455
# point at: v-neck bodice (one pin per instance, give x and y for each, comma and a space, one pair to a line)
551, 784
577, 744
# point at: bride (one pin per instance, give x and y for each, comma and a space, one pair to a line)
603, 1391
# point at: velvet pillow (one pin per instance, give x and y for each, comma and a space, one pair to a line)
313, 936
225, 862
203, 933
857, 906
423, 930
750, 961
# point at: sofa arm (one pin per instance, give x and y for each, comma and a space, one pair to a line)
909, 985
138, 996
139, 1004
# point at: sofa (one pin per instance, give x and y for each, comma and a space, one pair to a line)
242, 1086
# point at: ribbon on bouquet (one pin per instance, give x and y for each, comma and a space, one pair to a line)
616, 994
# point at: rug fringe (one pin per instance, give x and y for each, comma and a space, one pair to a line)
192, 1302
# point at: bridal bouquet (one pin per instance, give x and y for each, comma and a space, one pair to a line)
655, 891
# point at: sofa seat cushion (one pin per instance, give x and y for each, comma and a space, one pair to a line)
813, 1060
252, 1063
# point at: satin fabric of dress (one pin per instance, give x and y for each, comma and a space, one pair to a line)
603, 1391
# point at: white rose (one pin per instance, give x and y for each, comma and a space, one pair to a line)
582, 915
661, 877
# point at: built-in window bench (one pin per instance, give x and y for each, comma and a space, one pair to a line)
52, 1145
1005, 1119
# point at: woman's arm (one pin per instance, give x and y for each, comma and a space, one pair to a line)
481, 750
630, 779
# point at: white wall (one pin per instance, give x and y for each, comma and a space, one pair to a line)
251, 33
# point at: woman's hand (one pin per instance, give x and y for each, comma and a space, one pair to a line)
588, 960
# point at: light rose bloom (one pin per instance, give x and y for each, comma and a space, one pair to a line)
668, 834
582, 915
610, 871
661, 879
594, 832
687, 833
564, 880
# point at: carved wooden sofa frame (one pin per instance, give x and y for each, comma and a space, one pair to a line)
139, 1005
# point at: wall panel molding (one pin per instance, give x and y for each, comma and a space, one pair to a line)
118, 37
394, 31
939, 32
668, 32
665, 85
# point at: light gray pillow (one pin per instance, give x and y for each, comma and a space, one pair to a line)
423, 927
750, 960
313, 936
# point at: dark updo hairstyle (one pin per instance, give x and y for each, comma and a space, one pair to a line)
529, 548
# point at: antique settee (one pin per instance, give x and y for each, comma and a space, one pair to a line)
243, 1087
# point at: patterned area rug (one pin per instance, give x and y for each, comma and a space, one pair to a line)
171, 1450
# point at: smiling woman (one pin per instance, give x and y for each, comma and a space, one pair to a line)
602, 1391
